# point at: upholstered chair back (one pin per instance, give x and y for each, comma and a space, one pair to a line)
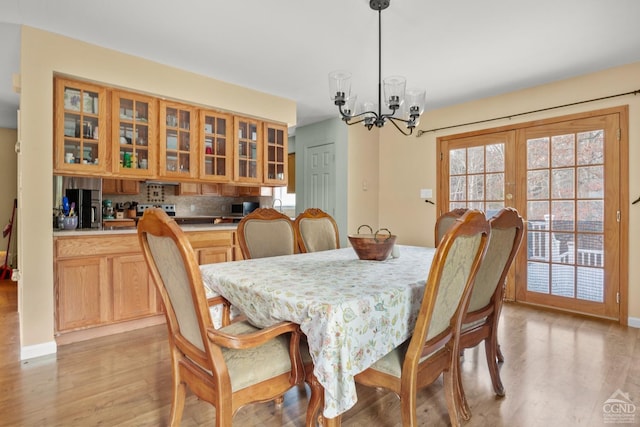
316, 231
506, 236
266, 232
465, 251
445, 222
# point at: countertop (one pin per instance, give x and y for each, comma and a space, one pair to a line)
132, 230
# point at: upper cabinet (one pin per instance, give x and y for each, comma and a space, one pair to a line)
178, 143
133, 134
80, 128
247, 150
216, 146
275, 157
106, 132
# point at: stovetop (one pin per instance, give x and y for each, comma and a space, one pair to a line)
170, 209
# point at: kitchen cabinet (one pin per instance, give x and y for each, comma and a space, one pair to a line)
120, 186
178, 142
111, 289
216, 149
229, 190
80, 128
110, 286
247, 150
81, 284
133, 133
195, 189
275, 154
134, 294
291, 172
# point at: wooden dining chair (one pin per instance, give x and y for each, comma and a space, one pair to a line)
266, 232
483, 314
227, 367
432, 350
445, 221
316, 231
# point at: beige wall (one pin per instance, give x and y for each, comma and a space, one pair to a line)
8, 187
408, 164
42, 55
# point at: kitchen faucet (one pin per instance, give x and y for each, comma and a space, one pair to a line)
274, 204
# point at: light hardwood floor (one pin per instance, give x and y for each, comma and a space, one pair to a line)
559, 370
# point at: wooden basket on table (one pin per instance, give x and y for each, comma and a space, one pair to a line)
373, 246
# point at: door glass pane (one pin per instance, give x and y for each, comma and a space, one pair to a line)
538, 153
538, 184
457, 162
562, 150
495, 158
562, 183
476, 159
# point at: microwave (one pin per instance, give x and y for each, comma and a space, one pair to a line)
244, 208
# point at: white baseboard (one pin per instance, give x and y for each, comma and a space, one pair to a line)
634, 322
31, 351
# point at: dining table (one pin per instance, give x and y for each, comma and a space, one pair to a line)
352, 311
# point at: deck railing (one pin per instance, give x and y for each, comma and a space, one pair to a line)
544, 246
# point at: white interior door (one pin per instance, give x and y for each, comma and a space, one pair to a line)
320, 178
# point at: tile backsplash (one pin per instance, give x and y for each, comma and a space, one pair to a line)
186, 205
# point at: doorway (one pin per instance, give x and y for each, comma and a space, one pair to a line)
564, 176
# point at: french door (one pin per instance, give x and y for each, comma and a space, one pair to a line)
563, 176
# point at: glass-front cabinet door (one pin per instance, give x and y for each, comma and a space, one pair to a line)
275, 157
178, 145
133, 134
247, 150
80, 127
215, 146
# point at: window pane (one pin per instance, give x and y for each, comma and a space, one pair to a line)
591, 182
476, 187
476, 159
457, 162
562, 183
591, 216
591, 147
495, 186
563, 214
562, 150
538, 184
495, 158
458, 188
538, 153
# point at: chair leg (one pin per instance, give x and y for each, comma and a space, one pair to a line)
177, 402
465, 412
408, 406
451, 395
491, 350
500, 357
316, 401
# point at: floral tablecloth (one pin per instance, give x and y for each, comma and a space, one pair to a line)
353, 312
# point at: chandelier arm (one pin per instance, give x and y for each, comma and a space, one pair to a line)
392, 117
345, 116
393, 120
347, 121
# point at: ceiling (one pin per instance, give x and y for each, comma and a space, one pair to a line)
456, 50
